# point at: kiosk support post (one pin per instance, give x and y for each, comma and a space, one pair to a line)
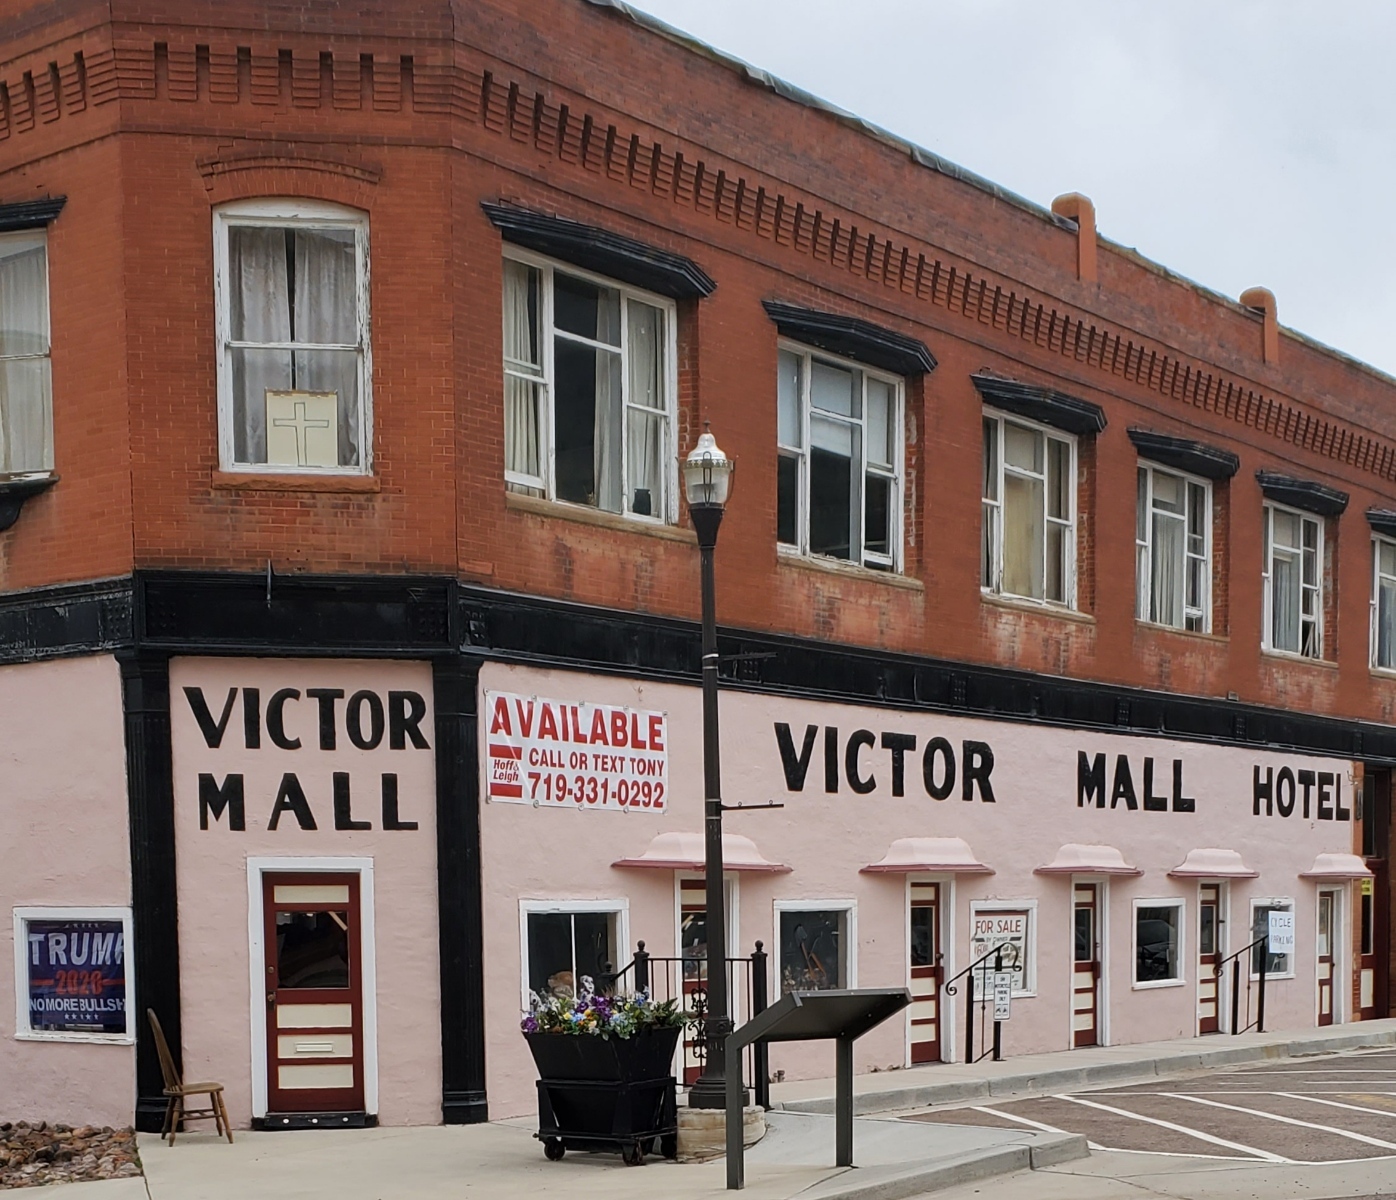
843, 1102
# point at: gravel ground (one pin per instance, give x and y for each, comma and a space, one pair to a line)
37, 1153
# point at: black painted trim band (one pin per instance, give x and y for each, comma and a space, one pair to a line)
30, 214
1047, 405
1184, 454
1303, 494
602, 251
850, 337
1382, 520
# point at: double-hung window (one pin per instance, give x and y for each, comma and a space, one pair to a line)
26, 402
1029, 505
570, 946
293, 337
589, 390
1173, 547
839, 459
1384, 603
1293, 582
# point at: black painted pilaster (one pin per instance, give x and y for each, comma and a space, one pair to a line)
145, 692
454, 683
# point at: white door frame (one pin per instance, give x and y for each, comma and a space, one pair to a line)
1340, 931
1102, 933
368, 969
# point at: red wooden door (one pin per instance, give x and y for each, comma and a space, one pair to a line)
1085, 969
1208, 955
315, 1059
1327, 946
926, 973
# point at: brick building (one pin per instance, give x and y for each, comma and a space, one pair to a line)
347, 363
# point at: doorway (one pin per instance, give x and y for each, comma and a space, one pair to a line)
1326, 952
693, 965
926, 971
1209, 923
1085, 972
314, 993
1374, 911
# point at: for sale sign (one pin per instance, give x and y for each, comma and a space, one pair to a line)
556, 754
77, 976
1006, 932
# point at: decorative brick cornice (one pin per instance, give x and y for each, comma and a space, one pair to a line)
280, 157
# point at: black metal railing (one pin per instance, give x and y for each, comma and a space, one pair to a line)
684, 979
1236, 960
983, 1001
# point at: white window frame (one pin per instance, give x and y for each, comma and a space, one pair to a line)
618, 907
896, 476
1277, 902
547, 482
1180, 904
38, 237
22, 916
298, 214
849, 950
1378, 541
1028, 906
1267, 581
1144, 548
992, 510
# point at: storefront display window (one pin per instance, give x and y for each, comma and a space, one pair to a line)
70, 974
1158, 955
815, 945
1275, 964
563, 946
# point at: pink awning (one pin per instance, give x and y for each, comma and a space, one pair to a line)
929, 854
1213, 863
1337, 866
1077, 859
685, 852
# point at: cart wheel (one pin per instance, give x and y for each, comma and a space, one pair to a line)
633, 1154
669, 1145
554, 1149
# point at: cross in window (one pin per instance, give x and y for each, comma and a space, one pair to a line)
301, 423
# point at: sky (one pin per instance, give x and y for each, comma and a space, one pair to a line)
1240, 143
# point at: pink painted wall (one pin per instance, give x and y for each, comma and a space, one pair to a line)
62, 842
213, 872
545, 853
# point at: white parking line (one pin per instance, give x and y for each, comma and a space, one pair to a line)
1007, 1116
1380, 1112
1044, 1128
1264, 1155
1269, 1116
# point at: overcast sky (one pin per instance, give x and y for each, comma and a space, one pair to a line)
1239, 142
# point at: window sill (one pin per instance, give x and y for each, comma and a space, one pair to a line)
1386, 673
97, 1039
791, 557
1018, 604
251, 481
1196, 634
563, 511
1156, 984
1303, 660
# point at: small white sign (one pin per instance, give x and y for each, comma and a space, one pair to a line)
1003, 995
1281, 935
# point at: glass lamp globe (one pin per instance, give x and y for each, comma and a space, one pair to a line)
707, 474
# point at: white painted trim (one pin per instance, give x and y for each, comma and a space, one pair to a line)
849, 951
1028, 905
368, 959
945, 925
113, 912
1181, 904
619, 906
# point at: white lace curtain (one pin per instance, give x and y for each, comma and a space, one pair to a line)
523, 369
324, 313
26, 427
647, 416
606, 447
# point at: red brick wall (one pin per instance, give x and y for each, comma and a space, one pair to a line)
419, 112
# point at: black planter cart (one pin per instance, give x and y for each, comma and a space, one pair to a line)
599, 1093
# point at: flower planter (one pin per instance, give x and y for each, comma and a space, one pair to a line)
598, 1093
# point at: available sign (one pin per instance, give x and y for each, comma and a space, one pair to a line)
77, 976
555, 754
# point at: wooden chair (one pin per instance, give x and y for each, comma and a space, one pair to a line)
177, 1090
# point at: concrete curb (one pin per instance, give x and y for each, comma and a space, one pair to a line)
1065, 1079
912, 1179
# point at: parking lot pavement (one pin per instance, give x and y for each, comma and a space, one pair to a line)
1329, 1109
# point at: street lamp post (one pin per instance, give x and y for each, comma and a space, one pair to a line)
707, 481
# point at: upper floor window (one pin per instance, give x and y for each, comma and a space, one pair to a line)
1173, 545
839, 459
26, 401
293, 344
1293, 582
1383, 603
589, 390
1029, 502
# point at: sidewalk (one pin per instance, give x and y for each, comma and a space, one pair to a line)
1071, 1070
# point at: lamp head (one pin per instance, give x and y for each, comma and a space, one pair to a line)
707, 474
